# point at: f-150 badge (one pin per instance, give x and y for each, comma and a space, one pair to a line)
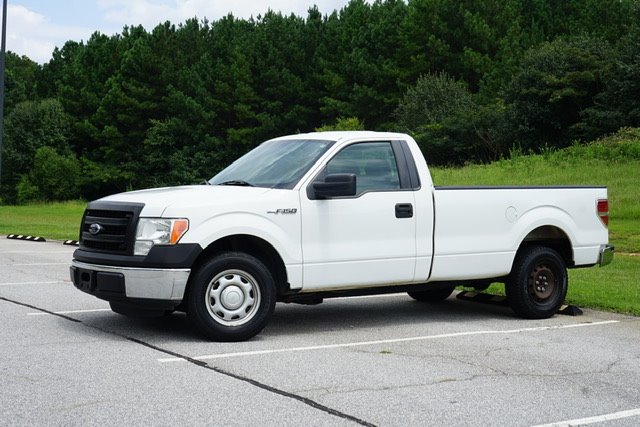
287, 211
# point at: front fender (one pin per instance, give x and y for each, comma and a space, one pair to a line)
282, 232
283, 235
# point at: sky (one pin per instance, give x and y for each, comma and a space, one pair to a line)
36, 27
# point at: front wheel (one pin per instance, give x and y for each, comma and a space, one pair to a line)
538, 283
231, 297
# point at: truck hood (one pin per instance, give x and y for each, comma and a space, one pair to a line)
157, 200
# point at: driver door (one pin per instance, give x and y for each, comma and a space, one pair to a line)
368, 238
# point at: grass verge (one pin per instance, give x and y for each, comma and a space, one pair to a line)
614, 287
58, 221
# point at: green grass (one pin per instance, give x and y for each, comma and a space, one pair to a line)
614, 287
58, 221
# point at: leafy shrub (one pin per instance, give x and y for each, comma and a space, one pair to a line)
623, 145
26, 191
433, 99
53, 177
343, 123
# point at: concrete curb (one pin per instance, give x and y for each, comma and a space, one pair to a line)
25, 237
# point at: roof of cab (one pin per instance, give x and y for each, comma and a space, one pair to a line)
340, 135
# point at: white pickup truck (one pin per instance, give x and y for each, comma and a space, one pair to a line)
305, 217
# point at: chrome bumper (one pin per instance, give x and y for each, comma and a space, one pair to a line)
149, 283
606, 255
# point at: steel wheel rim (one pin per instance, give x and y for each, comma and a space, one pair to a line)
232, 297
543, 283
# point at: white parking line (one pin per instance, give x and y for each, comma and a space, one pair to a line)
596, 419
387, 341
36, 264
95, 310
34, 283
36, 252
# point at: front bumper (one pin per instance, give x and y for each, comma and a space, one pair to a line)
606, 255
113, 283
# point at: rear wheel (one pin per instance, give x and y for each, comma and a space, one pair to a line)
231, 297
432, 295
537, 285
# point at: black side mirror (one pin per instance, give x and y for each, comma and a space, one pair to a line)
335, 185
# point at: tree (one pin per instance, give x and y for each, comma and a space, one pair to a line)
556, 83
618, 104
30, 126
177, 103
20, 80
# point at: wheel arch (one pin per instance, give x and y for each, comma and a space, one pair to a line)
251, 245
552, 237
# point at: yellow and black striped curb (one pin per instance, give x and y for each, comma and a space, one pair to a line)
39, 239
26, 237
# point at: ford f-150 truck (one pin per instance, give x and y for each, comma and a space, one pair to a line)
305, 217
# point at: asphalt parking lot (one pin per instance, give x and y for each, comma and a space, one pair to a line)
66, 359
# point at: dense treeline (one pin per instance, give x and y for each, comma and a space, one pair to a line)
470, 79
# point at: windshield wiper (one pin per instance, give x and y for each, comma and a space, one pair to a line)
237, 182
205, 182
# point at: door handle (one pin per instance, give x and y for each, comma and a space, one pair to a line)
404, 210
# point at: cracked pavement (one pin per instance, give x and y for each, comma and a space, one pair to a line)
399, 362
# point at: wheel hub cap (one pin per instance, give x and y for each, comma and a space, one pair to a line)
542, 282
231, 297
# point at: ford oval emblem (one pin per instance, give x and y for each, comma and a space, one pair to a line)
95, 229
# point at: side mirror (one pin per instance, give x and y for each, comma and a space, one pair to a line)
336, 185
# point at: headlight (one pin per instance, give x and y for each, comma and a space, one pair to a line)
158, 231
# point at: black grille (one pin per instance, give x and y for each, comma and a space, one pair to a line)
115, 225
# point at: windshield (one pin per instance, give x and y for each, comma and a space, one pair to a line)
274, 164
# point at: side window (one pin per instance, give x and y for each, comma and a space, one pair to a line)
373, 163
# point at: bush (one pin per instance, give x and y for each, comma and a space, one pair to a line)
26, 191
343, 123
53, 177
622, 146
433, 99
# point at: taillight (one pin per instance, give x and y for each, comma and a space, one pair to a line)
603, 211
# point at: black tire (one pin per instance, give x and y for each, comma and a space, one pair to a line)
432, 295
537, 285
231, 297
133, 311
